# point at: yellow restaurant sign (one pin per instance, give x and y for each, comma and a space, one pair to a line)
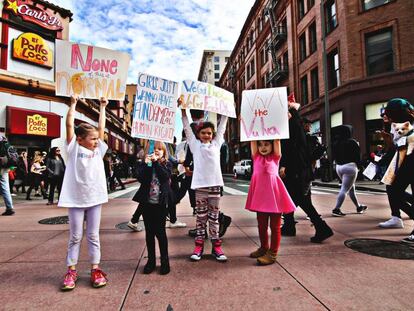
37, 125
32, 48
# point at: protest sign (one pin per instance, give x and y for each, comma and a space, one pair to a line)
154, 108
90, 71
264, 114
204, 96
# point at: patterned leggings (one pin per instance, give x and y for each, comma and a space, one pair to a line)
207, 209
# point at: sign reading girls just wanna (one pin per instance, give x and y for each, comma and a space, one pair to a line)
264, 114
154, 108
90, 71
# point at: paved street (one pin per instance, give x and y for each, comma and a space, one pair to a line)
307, 276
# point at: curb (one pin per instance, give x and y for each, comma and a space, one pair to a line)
357, 187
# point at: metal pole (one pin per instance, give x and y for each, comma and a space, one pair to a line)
326, 94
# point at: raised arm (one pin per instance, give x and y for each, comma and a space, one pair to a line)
222, 126
70, 118
253, 147
102, 118
276, 147
186, 124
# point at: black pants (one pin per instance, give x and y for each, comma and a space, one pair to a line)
137, 214
54, 182
112, 182
184, 187
397, 197
35, 182
154, 221
300, 191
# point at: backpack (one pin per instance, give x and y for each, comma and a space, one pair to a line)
8, 155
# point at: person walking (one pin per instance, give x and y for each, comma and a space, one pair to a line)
55, 166
4, 177
36, 174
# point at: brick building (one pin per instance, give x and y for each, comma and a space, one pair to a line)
370, 59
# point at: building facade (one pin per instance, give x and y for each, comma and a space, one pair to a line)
212, 65
31, 115
369, 48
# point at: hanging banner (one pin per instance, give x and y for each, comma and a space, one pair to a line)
264, 114
154, 108
207, 97
90, 71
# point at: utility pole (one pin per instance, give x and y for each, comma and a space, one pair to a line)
326, 94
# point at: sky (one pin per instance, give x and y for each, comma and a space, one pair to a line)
164, 38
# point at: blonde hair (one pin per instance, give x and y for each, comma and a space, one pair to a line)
158, 145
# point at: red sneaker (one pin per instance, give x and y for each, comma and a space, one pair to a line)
69, 282
98, 278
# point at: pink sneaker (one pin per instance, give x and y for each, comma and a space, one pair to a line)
198, 250
69, 282
217, 251
98, 278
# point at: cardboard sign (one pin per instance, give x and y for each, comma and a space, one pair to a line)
90, 71
32, 48
370, 171
205, 96
264, 114
154, 108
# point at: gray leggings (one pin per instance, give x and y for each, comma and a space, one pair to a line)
93, 220
347, 173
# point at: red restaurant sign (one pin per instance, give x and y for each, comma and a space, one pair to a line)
34, 14
32, 122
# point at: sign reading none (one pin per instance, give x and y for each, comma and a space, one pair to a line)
264, 114
90, 71
154, 108
205, 96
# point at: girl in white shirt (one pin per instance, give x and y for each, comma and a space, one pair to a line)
207, 180
84, 191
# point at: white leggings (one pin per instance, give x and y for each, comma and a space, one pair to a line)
76, 219
348, 174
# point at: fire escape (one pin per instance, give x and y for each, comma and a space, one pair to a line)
279, 35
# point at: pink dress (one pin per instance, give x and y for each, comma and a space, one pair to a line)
267, 192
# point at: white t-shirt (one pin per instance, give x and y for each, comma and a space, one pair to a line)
84, 184
206, 157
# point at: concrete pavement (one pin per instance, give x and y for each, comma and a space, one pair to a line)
307, 276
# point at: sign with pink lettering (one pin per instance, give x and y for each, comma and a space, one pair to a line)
154, 108
90, 71
204, 96
264, 114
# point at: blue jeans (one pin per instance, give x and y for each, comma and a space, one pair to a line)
5, 188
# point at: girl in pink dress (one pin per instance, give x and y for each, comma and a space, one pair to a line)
267, 197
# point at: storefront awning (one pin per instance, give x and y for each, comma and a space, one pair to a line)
32, 122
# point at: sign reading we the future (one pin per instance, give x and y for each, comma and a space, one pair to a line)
90, 71
264, 114
154, 108
205, 96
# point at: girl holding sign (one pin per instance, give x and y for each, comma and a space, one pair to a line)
267, 197
206, 181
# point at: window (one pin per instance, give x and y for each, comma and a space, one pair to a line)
370, 4
330, 16
216, 59
286, 60
312, 38
251, 39
314, 84
226, 59
379, 52
311, 3
217, 75
216, 67
263, 56
301, 8
304, 89
302, 47
259, 24
333, 70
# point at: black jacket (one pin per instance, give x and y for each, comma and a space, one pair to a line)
144, 175
50, 167
345, 149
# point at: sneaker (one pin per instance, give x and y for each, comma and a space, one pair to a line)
69, 281
98, 278
217, 251
8, 212
176, 224
361, 209
198, 250
409, 239
134, 227
13, 194
337, 213
393, 222
224, 223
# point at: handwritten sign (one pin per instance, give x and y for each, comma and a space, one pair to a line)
205, 96
154, 108
90, 71
264, 114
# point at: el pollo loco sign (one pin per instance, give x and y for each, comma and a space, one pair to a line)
36, 125
32, 48
34, 14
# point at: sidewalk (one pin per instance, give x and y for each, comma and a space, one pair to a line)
363, 185
307, 276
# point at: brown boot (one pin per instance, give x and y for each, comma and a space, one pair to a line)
258, 253
268, 259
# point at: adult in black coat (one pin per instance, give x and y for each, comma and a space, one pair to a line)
296, 173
